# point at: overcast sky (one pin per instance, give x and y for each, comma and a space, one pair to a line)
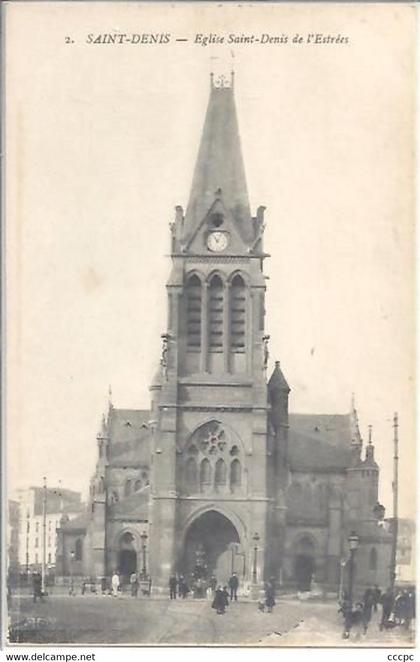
101, 144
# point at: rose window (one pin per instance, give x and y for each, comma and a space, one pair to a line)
212, 460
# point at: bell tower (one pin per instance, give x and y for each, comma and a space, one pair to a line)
209, 399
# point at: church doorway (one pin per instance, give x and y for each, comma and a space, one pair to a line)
208, 548
304, 563
127, 556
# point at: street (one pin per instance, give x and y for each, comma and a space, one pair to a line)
123, 620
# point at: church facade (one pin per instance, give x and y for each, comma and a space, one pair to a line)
218, 473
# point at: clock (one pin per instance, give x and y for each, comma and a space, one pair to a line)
217, 241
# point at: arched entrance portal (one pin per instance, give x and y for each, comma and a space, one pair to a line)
127, 556
208, 547
304, 563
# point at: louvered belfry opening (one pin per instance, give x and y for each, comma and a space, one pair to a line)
216, 314
237, 314
194, 313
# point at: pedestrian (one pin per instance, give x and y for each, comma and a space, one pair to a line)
183, 587
226, 596
346, 610
134, 583
173, 583
233, 586
213, 584
181, 581
270, 595
376, 594
261, 600
37, 586
219, 602
411, 608
387, 600
115, 583
367, 607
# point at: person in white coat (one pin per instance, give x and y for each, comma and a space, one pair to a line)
115, 582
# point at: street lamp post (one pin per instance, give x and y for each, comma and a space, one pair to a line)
27, 545
353, 541
343, 564
256, 539
71, 589
143, 549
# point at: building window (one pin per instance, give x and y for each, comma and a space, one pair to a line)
237, 314
138, 485
220, 473
235, 474
212, 459
193, 312
36, 542
37, 527
215, 305
127, 488
78, 550
373, 559
49, 541
205, 474
36, 558
49, 557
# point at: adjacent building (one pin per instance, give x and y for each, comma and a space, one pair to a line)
38, 506
219, 475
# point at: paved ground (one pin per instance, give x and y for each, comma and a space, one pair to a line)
99, 620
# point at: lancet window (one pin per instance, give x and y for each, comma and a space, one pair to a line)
215, 315
194, 312
237, 315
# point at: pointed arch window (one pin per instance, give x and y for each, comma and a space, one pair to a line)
193, 290
237, 315
127, 488
205, 474
235, 474
215, 317
220, 473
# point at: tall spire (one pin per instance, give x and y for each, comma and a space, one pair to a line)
219, 163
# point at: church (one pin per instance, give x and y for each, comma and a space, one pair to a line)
218, 476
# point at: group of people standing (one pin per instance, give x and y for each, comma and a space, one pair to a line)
398, 608
178, 585
222, 595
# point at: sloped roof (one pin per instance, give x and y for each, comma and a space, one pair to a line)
278, 380
79, 522
135, 506
220, 165
319, 442
129, 437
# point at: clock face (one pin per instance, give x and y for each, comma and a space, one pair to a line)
217, 241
